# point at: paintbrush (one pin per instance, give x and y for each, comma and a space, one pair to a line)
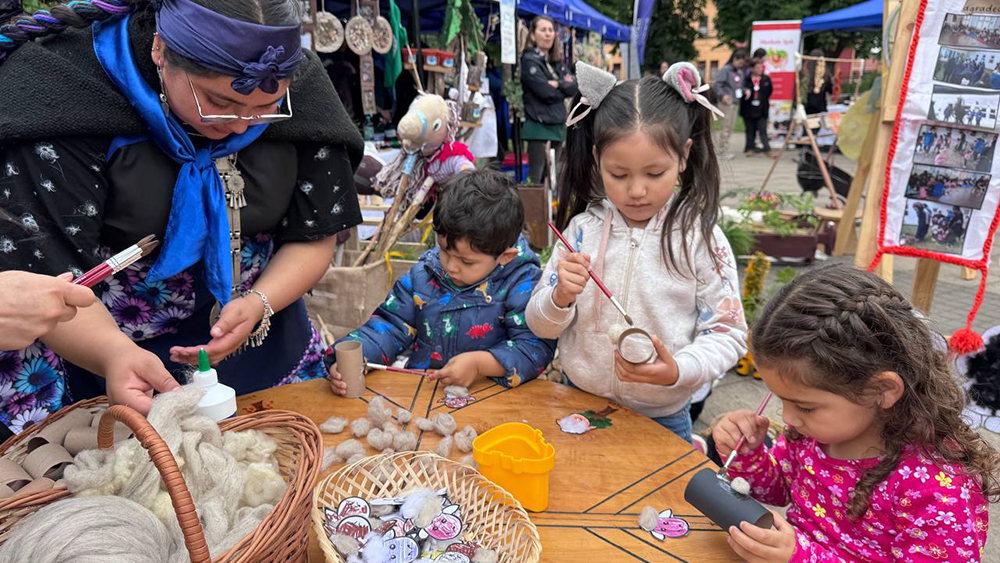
118, 262
593, 276
743, 439
397, 370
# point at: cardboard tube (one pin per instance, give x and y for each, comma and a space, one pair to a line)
12, 475
630, 353
351, 365
79, 439
714, 497
5, 492
37, 486
47, 461
97, 418
56, 432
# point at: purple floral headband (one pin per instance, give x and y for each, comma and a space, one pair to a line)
257, 55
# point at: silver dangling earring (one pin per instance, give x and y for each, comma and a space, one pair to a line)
163, 93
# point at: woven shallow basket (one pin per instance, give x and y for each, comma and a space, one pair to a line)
282, 537
493, 517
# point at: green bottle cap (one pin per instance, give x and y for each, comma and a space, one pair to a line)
203, 364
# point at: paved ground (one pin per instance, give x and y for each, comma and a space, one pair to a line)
952, 300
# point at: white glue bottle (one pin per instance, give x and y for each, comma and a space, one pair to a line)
219, 402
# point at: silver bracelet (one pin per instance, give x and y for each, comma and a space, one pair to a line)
258, 336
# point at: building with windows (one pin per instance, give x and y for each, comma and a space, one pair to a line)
712, 55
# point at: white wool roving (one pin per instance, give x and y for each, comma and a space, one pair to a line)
456, 391
403, 415
234, 480
330, 457
360, 427
378, 411
333, 425
422, 506
444, 424
484, 555
350, 448
404, 442
649, 518
345, 545
465, 438
391, 427
92, 530
425, 424
379, 440
443, 448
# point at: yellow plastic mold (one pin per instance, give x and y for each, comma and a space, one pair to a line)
516, 457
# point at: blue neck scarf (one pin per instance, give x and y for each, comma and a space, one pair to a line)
198, 227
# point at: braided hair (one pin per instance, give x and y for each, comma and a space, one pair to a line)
835, 329
82, 13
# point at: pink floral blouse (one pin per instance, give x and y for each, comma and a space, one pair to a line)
923, 512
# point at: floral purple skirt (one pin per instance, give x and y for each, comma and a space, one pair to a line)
35, 382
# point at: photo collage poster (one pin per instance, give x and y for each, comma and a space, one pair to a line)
943, 182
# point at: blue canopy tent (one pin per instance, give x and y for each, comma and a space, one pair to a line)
866, 16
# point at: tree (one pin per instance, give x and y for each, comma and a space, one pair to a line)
671, 30
735, 19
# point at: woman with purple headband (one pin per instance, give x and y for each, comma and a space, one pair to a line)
204, 123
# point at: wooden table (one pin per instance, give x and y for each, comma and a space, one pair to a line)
601, 481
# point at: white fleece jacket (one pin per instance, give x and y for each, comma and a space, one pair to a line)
699, 317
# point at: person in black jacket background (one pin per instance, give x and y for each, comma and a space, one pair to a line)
755, 107
547, 83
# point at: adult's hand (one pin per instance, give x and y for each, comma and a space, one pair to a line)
133, 374
235, 324
31, 305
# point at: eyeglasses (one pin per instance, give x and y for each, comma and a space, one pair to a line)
253, 119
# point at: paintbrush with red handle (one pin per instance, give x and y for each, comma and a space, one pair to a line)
593, 276
118, 262
397, 370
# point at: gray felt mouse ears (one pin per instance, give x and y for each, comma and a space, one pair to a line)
595, 84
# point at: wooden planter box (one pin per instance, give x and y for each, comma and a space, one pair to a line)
802, 246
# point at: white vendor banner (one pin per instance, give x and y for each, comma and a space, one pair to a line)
781, 40
942, 183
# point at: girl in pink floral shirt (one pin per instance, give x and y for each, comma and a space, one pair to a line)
876, 465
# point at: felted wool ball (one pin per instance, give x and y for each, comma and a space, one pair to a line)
378, 411
333, 425
456, 391
741, 486
615, 332
649, 518
360, 427
355, 458
444, 424
345, 545
484, 555
404, 442
469, 460
403, 416
350, 448
465, 438
443, 448
388, 451
425, 424
390, 427
379, 440
330, 457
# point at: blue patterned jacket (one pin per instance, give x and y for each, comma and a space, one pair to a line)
426, 314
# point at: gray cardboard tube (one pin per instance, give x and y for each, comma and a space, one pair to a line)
351, 366
47, 461
12, 474
56, 432
715, 499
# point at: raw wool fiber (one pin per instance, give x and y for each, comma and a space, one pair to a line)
350, 448
456, 391
425, 424
360, 427
355, 458
379, 440
443, 448
330, 457
404, 442
345, 545
444, 424
741, 486
484, 555
465, 438
391, 427
403, 415
92, 530
333, 425
422, 506
378, 411
649, 518
234, 480
470, 461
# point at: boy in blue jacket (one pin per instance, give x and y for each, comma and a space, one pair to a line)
460, 309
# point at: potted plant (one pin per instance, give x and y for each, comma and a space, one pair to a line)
784, 225
757, 292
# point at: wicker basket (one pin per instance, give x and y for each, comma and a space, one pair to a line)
282, 537
490, 514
